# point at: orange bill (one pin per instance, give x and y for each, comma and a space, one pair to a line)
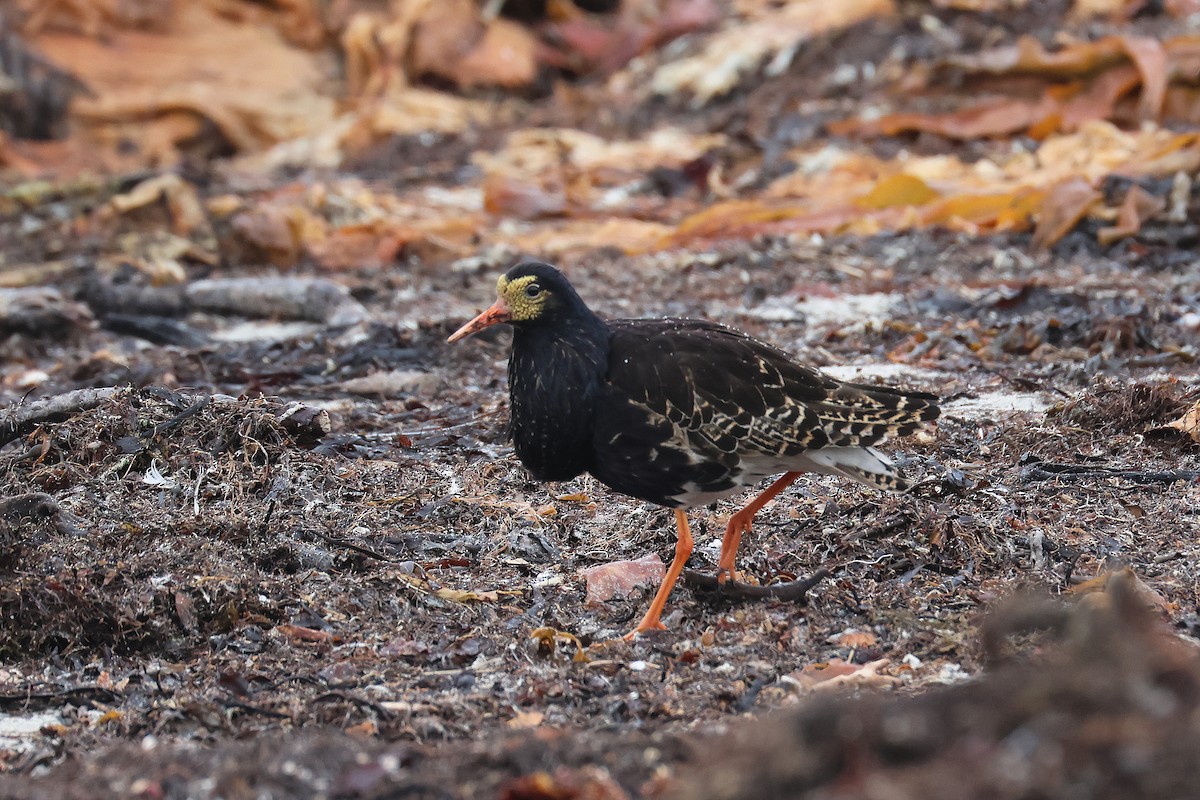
494, 315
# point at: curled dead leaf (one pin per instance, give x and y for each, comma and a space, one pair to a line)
836, 674
1100, 587
1189, 423
298, 633
526, 719
549, 638
1062, 208
855, 640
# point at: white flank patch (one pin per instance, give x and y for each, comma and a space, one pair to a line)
998, 403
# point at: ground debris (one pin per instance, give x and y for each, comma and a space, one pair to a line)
1081, 698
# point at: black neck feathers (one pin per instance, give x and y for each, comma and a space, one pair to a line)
558, 365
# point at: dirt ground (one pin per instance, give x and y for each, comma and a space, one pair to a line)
218, 597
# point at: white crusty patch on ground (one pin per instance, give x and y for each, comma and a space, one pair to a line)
988, 403
843, 309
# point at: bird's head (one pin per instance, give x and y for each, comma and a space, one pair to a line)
529, 294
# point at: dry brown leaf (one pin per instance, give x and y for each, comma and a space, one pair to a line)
836, 674
1096, 8
366, 244
526, 719
585, 783
997, 117
187, 214
548, 639
452, 41
856, 640
1189, 423
1029, 56
298, 633
462, 596
153, 88
739, 49
985, 6
511, 197
588, 43
1137, 207
274, 231
1062, 208
363, 730
1099, 587
620, 578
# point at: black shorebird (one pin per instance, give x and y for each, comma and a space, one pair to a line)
680, 412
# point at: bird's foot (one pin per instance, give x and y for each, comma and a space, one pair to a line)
643, 627
725, 575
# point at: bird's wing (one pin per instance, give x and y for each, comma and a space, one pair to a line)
745, 396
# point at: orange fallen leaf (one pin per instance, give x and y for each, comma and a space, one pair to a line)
898, 190
619, 578
369, 244
112, 715
363, 730
1062, 208
1137, 207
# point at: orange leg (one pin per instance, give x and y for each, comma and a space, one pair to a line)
740, 522
683, 549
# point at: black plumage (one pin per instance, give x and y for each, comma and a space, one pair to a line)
680, 412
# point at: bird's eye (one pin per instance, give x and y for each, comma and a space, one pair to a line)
533, 290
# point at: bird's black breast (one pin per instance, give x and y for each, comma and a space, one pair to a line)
554, 382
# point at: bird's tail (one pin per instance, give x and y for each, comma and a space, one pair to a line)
864, 464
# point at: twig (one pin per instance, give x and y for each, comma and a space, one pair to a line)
23, 700
1048, 471
265, 712
366, 551
19, 419
334, 694
893, 523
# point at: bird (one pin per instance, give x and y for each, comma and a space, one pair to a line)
680, 412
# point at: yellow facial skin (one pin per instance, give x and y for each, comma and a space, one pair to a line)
524, 297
